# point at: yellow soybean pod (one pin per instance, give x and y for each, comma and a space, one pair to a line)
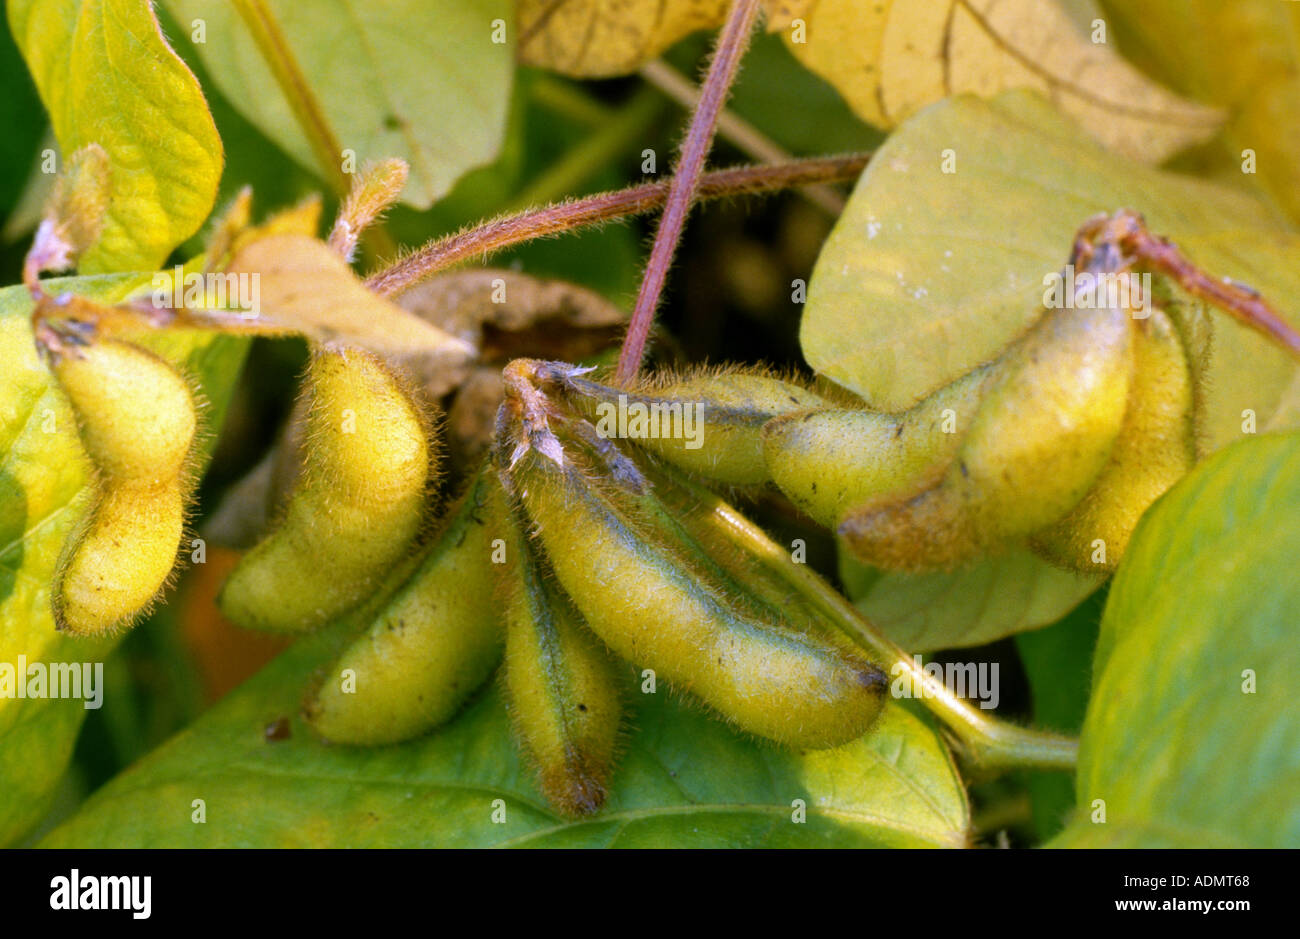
357, 504
832, 460
1155, 448
430, 645
138, 421
708, 423
1041, 437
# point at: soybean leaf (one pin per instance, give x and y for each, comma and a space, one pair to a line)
305, 286
424, 81
591, 39
684, 780
972, 605
794, 106
44, 492
1192, 736
107, 76
906, 56
940, 258
1243, 56
889, 59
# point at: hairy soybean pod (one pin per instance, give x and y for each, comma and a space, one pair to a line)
1155, 448
430, 645
707, 424
562, 687
638, 588
138, 422
1042, 435
830, 461
357, 504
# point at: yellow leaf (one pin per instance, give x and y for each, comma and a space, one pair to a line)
304, 287
108, 77
889, 60
595, 39
1243, 56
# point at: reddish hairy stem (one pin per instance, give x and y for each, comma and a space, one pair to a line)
732, 43
1133, 244
1238, 301
592, 210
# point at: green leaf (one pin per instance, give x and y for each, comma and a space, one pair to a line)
972, 605
1193, 735
44, 492
417, 79
107, 76
928, 274
684, 780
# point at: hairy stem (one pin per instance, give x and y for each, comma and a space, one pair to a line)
1123, 241
732, 43
551, 220
1237, 300
736, 130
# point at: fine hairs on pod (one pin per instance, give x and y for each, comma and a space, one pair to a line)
560, 682
357, 504
138, 421
643, 592
1048, 418
1156, 447
707, 422
430, 644
832, 460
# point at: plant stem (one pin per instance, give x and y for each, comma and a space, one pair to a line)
499, 233
307, 111
982, 740
736, 130
297, 91
731, 46
1123, 241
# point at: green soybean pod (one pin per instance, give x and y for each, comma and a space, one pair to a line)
1155, 448
638, 588
562, 687
832, 460
357, 505
429, 645
1041, 437
709, 423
